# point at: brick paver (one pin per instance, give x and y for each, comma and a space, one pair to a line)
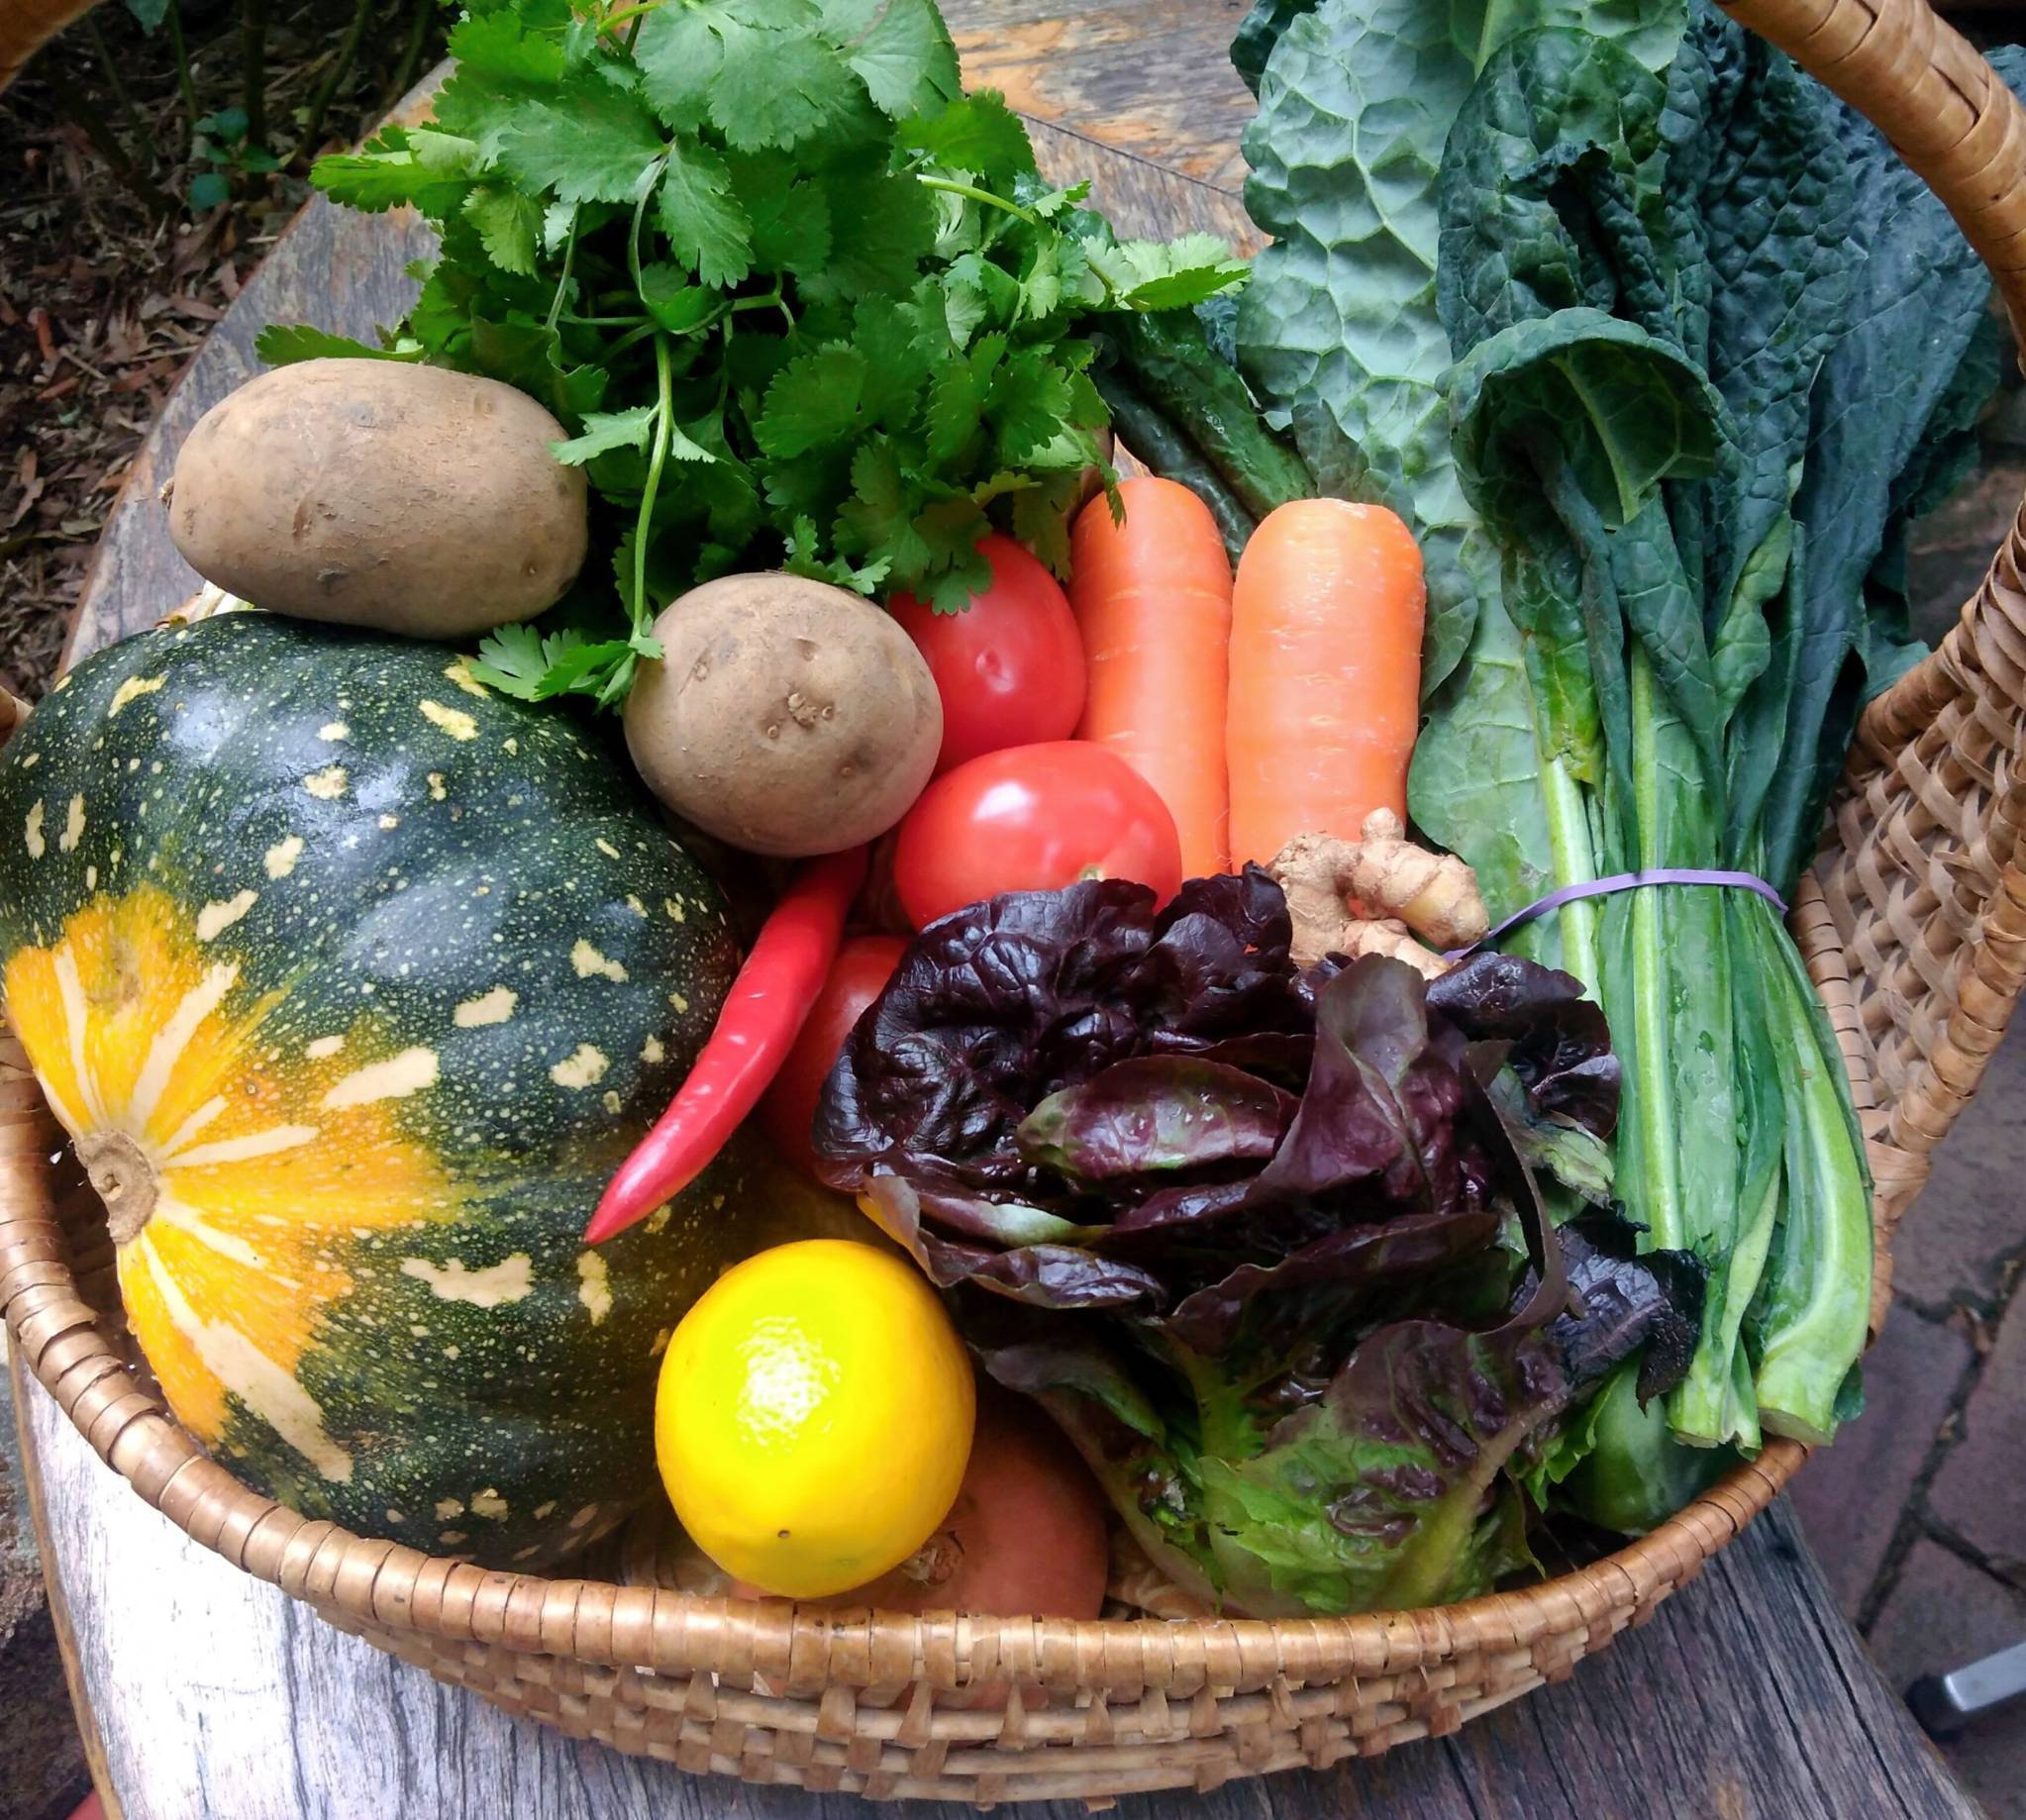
1852, 1494
1981, 1490
1944, 1612
1970, 1219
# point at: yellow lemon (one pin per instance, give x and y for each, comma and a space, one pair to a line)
814, 1416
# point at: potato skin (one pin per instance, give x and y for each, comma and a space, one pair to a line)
379, 493
786, 716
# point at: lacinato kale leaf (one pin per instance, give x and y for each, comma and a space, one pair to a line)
1337, 332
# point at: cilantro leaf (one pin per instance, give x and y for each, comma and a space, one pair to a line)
758, 72
706, 228
677, 305
979, 133
789, 213
510, 660
956, 411
284, 344
498, 44
385, 173
1147, 275
1029, 402
905, 58
605, 430
813, 400
882, 226
588, 142
879, 514
507, 224
900, 350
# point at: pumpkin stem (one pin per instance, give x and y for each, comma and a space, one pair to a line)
124, 1177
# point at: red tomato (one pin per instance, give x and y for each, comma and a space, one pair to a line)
1032, 818
863, 964
1010, 666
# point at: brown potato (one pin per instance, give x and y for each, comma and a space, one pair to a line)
786, 716
376, 493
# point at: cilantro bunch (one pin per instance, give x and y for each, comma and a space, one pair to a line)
802, 302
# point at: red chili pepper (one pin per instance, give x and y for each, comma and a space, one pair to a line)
764, 1014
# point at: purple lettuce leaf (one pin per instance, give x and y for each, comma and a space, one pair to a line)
1156, 1114
1560, 1046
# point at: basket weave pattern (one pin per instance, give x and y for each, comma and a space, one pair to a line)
1914, 930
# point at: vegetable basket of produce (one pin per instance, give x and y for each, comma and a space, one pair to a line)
732, 1045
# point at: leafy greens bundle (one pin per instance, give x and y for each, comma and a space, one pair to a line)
803, 304
1658, 347
1310, 1263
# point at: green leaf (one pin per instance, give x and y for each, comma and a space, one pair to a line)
883, 227
385, 173
284, 344
507, 224
788, 209
446, 154
511, 660
906, 59
758, 72
706, 228
605, 430
259, 160
1345, 156
208, 189
590, 142
1029, 404
956, 410
1173, 275
979, 133
677, 305
496, 44
814, 400
150, 13
1041, 521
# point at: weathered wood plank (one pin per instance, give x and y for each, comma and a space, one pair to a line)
1747, 1698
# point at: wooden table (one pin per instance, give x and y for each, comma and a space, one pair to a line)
205, 1693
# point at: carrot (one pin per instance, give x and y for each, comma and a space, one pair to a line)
1153, 599
1325, 674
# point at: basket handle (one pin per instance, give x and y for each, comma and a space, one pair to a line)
1931, 92
1922, 871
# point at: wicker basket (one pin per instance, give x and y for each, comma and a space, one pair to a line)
1914, 928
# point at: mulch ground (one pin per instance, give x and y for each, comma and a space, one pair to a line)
110, 279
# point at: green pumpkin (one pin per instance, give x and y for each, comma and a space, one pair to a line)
354, 981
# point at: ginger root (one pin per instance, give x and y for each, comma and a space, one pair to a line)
1376, 894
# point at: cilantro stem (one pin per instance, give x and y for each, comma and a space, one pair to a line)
606, 322
773, 300
955, 188
664, 419
626, 341
569, 253
651, 178
631, 15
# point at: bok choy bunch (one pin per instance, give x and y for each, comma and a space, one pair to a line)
1659, 347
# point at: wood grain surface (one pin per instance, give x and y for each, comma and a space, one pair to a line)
1747, 1698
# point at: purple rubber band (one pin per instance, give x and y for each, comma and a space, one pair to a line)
1625, 881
